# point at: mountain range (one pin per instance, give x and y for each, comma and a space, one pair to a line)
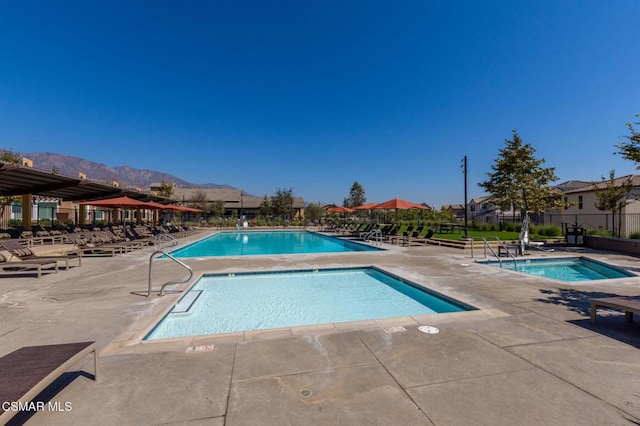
125, 175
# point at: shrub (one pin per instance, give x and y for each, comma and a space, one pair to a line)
635, 236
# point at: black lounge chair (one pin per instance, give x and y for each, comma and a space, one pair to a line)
28, 371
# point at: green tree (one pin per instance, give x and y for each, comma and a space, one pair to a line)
167, 189
518, 179
356, 196
612, 196
8, 156
630, 150
199, 201
282, 204
265, 210
313, 213
216, 208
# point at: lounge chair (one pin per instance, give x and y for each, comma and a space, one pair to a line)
26, 254
27, 267
423, 237
29, 370
91, 249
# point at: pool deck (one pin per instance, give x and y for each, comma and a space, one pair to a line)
528, 355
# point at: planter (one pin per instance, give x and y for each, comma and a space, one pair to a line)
622, 245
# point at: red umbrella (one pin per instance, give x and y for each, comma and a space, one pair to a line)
339, 210
368, 206
398, 204
120, 202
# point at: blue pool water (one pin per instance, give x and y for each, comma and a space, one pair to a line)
566, 269
256, 301
268, 242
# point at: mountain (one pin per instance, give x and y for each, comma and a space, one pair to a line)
126, 175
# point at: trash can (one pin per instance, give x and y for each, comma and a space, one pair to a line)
575, 236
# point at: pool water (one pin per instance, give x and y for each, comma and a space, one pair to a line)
256, 301
566, 269
250, 243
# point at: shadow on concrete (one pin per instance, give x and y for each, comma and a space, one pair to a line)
610, 323
43, 400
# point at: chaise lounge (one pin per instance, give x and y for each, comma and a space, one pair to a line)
27, 267
29, 370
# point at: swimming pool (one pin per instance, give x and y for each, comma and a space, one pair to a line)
568, 269
256, 301
251, 243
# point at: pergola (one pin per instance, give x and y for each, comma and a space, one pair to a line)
18, 180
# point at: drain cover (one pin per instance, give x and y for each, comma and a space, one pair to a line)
305, 392
427, 329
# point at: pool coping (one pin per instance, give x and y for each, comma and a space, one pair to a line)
485, 262
373, 246
132, 339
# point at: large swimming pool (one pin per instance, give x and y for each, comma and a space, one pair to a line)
566, 269
251, 243
227, 303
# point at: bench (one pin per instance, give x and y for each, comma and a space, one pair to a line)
26, 372
629, 305
448, 227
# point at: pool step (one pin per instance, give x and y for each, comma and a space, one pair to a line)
185, 304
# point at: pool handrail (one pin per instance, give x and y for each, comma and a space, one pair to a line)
501, 243
184, 265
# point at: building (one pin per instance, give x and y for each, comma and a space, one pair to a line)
236, 202
579, 199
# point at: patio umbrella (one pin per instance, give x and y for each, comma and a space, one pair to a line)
120, 203
398, 204
339, 210
368, 206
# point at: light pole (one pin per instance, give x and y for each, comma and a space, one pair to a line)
466, 211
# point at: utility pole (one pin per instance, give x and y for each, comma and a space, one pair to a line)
466, 211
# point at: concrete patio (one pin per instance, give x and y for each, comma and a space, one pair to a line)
528, 355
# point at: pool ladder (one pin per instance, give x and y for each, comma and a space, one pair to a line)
159, 250
502, 245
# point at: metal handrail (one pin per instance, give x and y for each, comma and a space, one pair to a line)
158, 240
515, 261
486, 245
158, 252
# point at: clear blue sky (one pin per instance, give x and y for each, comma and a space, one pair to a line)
314, 95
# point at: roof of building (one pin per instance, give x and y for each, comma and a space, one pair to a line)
16, 179
590, 187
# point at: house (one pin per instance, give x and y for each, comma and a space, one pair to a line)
482, 210
580, 208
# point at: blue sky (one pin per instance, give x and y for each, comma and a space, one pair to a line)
314, 95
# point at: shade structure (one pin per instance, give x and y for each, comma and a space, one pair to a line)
339, 210
186, 209
119, 202
398, 204
172, 207
368, 206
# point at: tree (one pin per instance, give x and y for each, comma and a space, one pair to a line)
265, 210
613, 197
356, 196
8, 156
199, 201
217, 208
167, 189
519, 180
282, 204
313, 213
630, 150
